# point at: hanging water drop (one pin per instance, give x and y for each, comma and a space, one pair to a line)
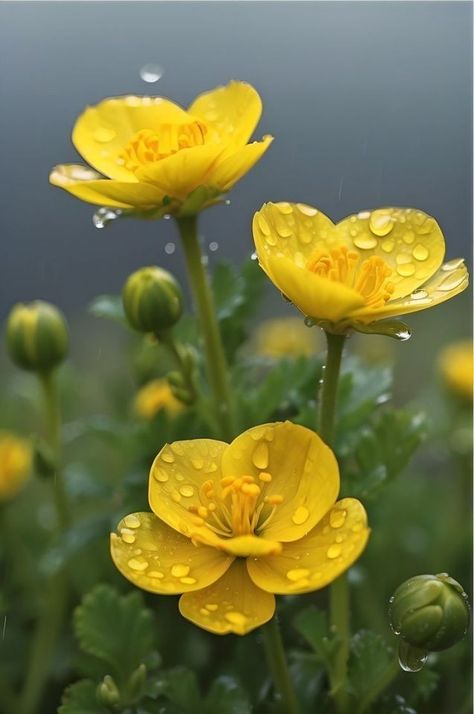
253, 256
151, 73
103, 216
411, 659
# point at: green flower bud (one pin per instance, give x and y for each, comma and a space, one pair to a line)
430, 612
152, 300
108, 692
36, 336
137, 682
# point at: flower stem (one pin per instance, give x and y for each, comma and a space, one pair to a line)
339, 591
278, 666
217, 371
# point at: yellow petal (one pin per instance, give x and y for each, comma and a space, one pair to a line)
179, 174
178, 486
318, 558
304, 476
102, 131
232, 604
447, 282
155, 557
409, 241
104, 192
314, 295
246, 545
233, 167
231, 112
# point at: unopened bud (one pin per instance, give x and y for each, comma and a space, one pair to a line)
36, 336
152, 300
108, 692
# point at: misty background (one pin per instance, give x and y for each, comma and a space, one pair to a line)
370, 104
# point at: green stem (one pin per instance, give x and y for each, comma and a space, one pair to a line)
217, 371
167, 339
278, 666
339, 591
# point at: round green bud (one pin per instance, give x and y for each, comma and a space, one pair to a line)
152, 300
36, 336
430, 612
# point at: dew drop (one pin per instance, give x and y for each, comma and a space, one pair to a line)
420, 252
271, 240
387, 245
357, 527
337, 518
186, 491
212, 607
263, 225
188, 581
297, 574
260, 456
151, 73
363, 215
409, 237
167, 457
283, 230
169, 248
300, 515
418, 294
334, 551
307, 210
160, 475
213, 246
103, 135
236, 618
365, 242
452, 281
406, 270
179, 570
411, 659
285, 208
155, 574
139, 565
380, 223
127, 535
132, 521
177, 449
103, 216
254, 256
197, 463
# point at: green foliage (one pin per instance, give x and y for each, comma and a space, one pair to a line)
226, 696
313, 625
372, 666
81, 698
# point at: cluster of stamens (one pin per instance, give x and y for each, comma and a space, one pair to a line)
241, 509
369, 278
149, 145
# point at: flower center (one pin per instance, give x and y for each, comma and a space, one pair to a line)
149, 145
369, 278
240, 509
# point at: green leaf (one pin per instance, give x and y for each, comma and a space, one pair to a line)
180, 686
109, 307
312, 624
116, 630
81, 698
394, 704
226, 696
372, 667
361, 390
308, 679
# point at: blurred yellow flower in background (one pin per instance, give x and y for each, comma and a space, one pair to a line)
155, 396
456, 367
232, 524
285, 337
15, 464
152, 154
370, 266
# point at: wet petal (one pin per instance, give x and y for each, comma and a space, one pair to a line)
104, 192
408, 240
246, 545
297, 473
232, 604
155, 557
232, 168
102, 131
184, 479
182, 172
318, 558
231, 112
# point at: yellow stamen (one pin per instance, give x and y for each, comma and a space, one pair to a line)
150, 145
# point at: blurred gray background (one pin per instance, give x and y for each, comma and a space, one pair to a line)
369, 102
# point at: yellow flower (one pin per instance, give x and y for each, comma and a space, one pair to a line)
152, 154
15, 464
456, 366
285, 337
155, 396
370, 266
232, 524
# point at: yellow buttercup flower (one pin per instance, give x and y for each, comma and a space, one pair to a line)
370, 266
155, 396
152, 154
233, 524
456, 366
285, 337
15, 464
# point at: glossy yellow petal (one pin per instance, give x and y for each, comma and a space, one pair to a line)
104, 192
450, 280
102, 131
232, 604
155, 557
182, 172
297, 473
408, 240
181, 486
231, 112
247, 545
233, 167
314, 295
318, 558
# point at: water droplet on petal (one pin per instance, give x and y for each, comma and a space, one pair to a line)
188, 581
365, 242
363, 215
139, 565
409, 237
186, 491
155, 574
263, 225
337, 518
236, 618
297, 574
260, 456
160, 475
420, 252
285, 208
387, 245
300, 515
411, 659
406, 270
151, 73
212, 607
380, 223
127, 535
418, 294
132, 521
167, 457
179, 570
307, 210
103, 216
254, 256
103, 135
334, 551
198, 463
170, 248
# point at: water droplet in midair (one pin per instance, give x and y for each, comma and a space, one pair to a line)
151, 73
253, 256
411, 659
213, 246
170, 248
103, 216
166, 217
227, 202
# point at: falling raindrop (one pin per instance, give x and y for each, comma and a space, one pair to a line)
151, 73
166, 217
213, 246
227, 202
253, 256
170, 248
411, 659
103, 216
